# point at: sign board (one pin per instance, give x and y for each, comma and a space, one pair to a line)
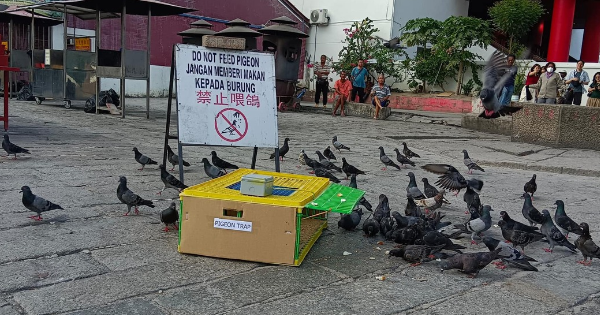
83, 44
232, 225
223, 42
5, 44
47, 57
226, 97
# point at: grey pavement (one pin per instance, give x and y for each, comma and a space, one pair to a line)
90, 259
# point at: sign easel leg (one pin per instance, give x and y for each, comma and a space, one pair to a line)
277, 160
254, 153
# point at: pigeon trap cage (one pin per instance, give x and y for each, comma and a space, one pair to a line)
217, 220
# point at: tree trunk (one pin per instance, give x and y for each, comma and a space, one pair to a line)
460, 77
510, 43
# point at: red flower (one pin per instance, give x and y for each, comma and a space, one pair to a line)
353, 64
310, 65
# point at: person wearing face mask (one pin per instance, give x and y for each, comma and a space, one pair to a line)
547, 85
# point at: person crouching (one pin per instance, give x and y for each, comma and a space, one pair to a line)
342, 87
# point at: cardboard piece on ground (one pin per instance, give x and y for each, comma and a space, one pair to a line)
444, 94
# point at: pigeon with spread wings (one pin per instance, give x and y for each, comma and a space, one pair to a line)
496, 73
451, 178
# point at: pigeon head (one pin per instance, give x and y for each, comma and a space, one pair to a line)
585, 227
134, 149
25, 189
380, 149
286, 139
334, 138
411, 175
526, 196
425, 180
501, 223
328, 147
123, 179
213, 153
445, 265
6, 137
486, 95
503, 214
490, 242
546, 214
162, 167
396, 150
205, 160
559, 203
344, 160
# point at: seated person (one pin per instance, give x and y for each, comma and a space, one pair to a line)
342, 87
380, 95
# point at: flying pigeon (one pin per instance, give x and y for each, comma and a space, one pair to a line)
516, 225
493, 85
169, 180
174, 158
350, 221
386, 160
553, 234
403, 159
451, 178
470, 263
129, 198
416, 254
530, 186
285, 148
328, 154
509, 255
408, 153
36, 204
479, 225
349, 169
218, 162
338, 145
564, 222
587, 247
530, 212
326, 164
11, 148
469, 163
211, 170
518, 237
142, 159
169, 216
412, 189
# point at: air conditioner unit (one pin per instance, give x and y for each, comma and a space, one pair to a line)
319, 16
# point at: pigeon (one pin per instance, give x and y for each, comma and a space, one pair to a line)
174, 158
350, 221
478, 225
36, 204
218, 162
530, 186
408, 153
383, 208
530, 212
301, 158
430, 190
211, 170
403, 159
285, 148
451, 178
328, 154
469, 163
386, 160
416, 254
518, 237
326, 163
470, 263
404, 221
12, 148
411, 208
435, 238
309, 162
553, 234
349, 169
412, 189
169, 180
493, 85
321, 172
586, 245
516, 225
509, 255
370, 227
169, 216
473, 202
386, 225
338, 145
564, 222
142, 159
129, 198
406, 235
431, 204
363, 202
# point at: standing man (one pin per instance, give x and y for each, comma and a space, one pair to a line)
576, 80
342, 91
380, 95
358, 77
322, 86
509, 86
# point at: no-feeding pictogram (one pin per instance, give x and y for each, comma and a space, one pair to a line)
231, 125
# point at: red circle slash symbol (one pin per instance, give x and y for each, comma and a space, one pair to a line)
231, 125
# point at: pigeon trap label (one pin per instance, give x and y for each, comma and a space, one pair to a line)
235, 225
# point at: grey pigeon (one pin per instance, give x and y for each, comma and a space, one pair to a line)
219, 162
479, 225
530, 212
383, 208
211, 170
407, 152
174, 158
169, 216
404, 221
321, 172
11, 148
469, 163
386, 160
285, 148
403, 159
349, 169
436, 238
142, 159
370, 227
329, 154
493, 83
416, 254
36, 204
451, 178
169, 180
518, 237
386, 225
564, 222
509, 255
338, 145
350, 221
363, 202
516, 225
553, 234
531, 186
326, 163
412, 187
470, 263
411, 208
586, 245
129, 198
407, 235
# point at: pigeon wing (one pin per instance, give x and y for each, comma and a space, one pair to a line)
130, 198
42, 205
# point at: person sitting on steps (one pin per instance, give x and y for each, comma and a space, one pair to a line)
380, 95
342, 91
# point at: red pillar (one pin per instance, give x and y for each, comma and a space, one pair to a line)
563, 14
590, 48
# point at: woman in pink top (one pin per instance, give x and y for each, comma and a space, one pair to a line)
342, 88
532, 78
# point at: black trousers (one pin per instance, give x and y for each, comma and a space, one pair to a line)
321, 87
577, 98
361, 94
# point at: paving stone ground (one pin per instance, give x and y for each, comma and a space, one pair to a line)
90, 259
